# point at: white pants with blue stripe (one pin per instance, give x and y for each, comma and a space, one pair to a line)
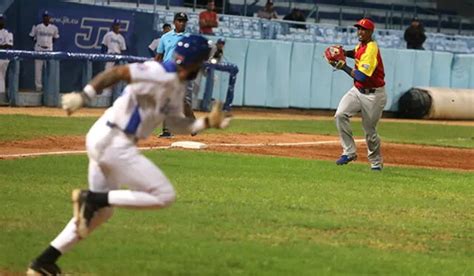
115, 161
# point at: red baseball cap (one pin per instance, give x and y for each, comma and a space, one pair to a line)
365, 24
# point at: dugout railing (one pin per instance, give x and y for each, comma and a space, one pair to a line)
50, 96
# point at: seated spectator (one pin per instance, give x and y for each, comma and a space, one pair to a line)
208, 19
268, 11
296, 15
415, 35
154, 44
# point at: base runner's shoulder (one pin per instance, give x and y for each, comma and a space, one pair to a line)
149, 70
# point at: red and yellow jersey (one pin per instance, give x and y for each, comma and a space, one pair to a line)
368, 61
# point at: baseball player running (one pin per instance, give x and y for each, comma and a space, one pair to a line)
154, 92
366, 96
6, 42
165, 52
113, 43
44, 35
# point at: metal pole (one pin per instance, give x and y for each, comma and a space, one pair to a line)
155, 19
223, 6
460, 25
391, 17
439, 22
194, 5
386, 19
340, 16
289, 5
167, 4
402, 18
138, 3
245, 7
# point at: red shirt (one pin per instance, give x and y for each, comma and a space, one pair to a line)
208, 16
368, 61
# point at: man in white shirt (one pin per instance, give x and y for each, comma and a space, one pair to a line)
6, 42
154, 44
44, 35
113, 43
155, 92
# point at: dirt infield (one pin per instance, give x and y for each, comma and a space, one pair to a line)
263, 144
323, 147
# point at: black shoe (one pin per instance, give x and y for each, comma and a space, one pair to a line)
41, 269
83, 211
166, 134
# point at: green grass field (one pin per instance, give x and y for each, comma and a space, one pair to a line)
249, 215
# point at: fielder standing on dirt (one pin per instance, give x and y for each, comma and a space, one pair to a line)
366, 96
155, 92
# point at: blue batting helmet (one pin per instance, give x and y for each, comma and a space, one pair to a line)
191, 49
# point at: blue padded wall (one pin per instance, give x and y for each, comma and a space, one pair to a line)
403, 77
441, 69
255, 73
300, 75
423, 60
272, 73
321, 79
462, 72
278, 77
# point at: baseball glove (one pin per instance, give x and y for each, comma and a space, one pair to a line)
335, 56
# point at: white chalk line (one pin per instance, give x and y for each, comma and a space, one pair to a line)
68, 152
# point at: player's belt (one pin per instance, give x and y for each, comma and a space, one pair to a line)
367, 90
115, 126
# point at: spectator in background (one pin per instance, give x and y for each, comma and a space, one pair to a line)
154, 44
113, 43
44, 34
268, 11
6, 42
165, 53
208, 19
296, 15
415, 35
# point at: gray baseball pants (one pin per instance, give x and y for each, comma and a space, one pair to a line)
371, 107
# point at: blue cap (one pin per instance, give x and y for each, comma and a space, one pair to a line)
221, 40
45, 13
116, 21
191, 49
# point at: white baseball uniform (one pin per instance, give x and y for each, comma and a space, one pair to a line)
43, 35
6, 38
115, 45
154, 94
154, 44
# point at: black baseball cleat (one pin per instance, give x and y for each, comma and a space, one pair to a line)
83, 211
42, 269
166, 134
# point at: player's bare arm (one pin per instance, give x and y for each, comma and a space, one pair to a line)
110, 77
159, 57
73, 101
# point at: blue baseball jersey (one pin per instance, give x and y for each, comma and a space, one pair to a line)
168, 43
